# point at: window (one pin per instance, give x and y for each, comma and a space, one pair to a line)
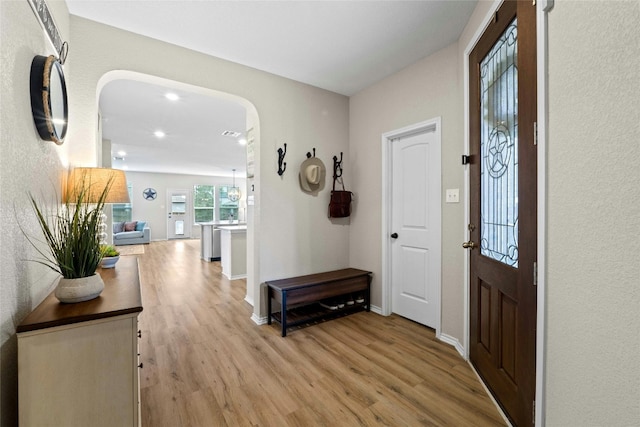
228, 209
203, 203
122, 211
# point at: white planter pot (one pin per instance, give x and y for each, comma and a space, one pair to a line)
109, 261
78, 290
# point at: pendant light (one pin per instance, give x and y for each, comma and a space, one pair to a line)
234, 192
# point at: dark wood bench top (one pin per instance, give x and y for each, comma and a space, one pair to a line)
121, 295
315, 279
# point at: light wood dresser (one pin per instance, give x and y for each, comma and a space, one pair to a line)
78, 364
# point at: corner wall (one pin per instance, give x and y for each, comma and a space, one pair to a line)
425, 90
593, 274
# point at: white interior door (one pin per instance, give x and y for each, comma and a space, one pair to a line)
178, 214
415, 227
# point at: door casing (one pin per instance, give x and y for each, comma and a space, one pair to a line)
431, 125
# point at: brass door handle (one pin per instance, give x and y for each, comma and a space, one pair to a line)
469, 245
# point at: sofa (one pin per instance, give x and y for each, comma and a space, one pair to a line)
131, 233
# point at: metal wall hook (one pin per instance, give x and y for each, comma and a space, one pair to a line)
282, 165
309, 154
337, 167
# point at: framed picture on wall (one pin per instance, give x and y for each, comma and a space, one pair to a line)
250, 153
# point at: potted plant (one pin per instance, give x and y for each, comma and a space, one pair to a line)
72, 237
110, 256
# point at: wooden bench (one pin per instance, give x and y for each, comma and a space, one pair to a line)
303, 291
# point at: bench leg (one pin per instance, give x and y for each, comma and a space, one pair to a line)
283, 314
268, 307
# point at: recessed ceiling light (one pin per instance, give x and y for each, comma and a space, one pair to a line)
171, 96
159, 134
122, 153
242, 141
231, 133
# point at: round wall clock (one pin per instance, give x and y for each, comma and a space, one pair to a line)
49, 98
149, 193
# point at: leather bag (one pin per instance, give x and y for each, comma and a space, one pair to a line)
340, 204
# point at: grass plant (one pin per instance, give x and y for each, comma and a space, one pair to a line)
72, 232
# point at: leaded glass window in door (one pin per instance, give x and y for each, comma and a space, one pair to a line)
499, 150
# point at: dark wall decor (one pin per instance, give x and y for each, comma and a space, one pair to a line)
340, 202
149, 193
282, 165
49, 98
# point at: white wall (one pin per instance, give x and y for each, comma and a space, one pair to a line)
593, 277
292, 233
27, 164
425, 90
155, 211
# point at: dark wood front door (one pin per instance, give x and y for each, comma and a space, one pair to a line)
503, 207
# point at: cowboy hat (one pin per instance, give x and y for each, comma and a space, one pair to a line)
312, 175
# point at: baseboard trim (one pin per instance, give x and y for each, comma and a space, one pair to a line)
376, 310
249, 300
453, 341
500, 411
259, 320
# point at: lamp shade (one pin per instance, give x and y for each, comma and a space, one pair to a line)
94, 181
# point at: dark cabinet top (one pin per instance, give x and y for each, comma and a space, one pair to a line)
121, 295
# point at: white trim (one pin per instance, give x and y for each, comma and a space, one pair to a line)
248, 300
542, 8
488, 393
377, 310
259, 320
453, 341
432, 125
542, 11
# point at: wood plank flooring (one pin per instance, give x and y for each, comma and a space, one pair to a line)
207, 364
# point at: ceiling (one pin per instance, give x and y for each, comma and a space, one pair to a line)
341, 46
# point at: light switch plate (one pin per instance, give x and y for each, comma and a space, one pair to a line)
452, 195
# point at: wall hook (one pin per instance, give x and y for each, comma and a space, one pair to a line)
282, 165
337, 167
309, 153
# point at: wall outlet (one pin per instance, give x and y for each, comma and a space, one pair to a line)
452, 195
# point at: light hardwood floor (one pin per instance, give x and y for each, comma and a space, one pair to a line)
207, 364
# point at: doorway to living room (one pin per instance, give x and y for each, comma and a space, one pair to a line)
169, 135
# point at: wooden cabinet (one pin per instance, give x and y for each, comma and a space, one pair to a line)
78, 363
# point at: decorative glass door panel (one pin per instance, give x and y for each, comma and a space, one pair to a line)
499, 150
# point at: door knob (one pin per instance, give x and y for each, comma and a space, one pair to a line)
469, 245
394, 236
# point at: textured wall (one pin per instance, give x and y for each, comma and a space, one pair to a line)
420, 92
593, 278
26, 164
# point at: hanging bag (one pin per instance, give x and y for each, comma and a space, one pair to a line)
340, 202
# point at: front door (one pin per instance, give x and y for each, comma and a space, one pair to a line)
415, 225
178, 214
503, 208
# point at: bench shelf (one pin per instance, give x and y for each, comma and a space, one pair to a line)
300, 297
